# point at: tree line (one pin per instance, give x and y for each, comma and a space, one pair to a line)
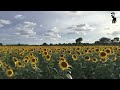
78, 41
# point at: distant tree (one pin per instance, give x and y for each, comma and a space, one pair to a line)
117, 39
78, 40
18, 44
1, 44
105, 40
45, 44
97, 42
51, 44
59, 44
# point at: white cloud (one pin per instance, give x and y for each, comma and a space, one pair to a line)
52, 34
112, 29
26, 29
4, 22
80, 29
41, 25
19, 17
54, 29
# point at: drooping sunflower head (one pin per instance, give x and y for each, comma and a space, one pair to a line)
63, 65
9, 72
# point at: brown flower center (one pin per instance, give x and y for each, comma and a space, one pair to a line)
9, 72
64, 64
87, 57
103, 54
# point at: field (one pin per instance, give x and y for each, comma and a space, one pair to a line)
59, 62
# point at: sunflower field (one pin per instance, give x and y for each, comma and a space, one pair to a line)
59, 62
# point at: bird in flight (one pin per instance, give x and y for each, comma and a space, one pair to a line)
114, 20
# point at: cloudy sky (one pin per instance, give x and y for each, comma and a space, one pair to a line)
37, 27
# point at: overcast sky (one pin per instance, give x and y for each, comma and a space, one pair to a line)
37, 27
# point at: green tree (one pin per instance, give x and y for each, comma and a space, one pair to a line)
78, 40
105, 40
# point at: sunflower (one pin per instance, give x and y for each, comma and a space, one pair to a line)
15, 53
15, 60
48, 57
94, 60
62, 55
34, 66
62, 59
33, 60
19, 64
114, 59
7, 67
9, 72
1, 64
30, 54
103, 60
26, 61
45, 53
69, 52
77, 52
36, 59
74, 57
63, 65
97, 50
102, 54
87, 58
21, 54
86, 51
108, 51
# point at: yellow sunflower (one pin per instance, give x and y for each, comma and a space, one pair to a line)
74, 57
26, 61
87, 58
69, 52
102, 54
9, 72
19, 64
34, 66
62, 59
108, 51
1, 64
33, 60
63, 65
114, 58
47, 57
94, 60
103, 60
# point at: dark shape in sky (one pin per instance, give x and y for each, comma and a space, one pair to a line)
114, 20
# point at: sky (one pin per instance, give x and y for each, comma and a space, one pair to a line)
37, 27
